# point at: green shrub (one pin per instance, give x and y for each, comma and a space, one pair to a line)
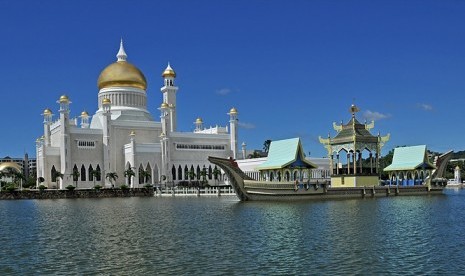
124, 187
10, 188
97, 187
70, 188
42, 187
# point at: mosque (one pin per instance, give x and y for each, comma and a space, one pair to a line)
122, 136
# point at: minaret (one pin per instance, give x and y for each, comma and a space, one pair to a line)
457, 176
47, 122
243, 150
233, 130
198, 124
164, 110
84, 119
169, 95
65, 141
132, 159
107, 168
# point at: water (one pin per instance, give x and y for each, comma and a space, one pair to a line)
219, 235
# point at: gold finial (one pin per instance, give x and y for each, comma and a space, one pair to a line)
47, 112
233, 111
353, 109
64, 99
169, 72
199, 120
164, 106
84, 114
132, 134
106, 101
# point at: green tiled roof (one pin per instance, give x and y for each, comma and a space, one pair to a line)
351, 129
409, 158
283, 153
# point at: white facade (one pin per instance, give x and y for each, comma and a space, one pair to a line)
122, 134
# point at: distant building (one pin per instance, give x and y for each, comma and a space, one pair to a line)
25, 165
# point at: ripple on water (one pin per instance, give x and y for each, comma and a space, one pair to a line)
218, 236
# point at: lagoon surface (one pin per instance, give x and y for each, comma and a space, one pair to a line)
220, 235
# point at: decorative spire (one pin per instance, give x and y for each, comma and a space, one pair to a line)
354, 109
121, 53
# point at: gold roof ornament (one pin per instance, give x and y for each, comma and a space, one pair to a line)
106, 101
121, 73
64, 99
47, 112
353, 109
164, 105
199, 120
84, 114
169, 72
132, 134
233, 111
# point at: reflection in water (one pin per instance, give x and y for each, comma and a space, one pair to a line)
219, 235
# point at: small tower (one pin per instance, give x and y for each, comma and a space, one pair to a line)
198, 124
65, 143
457, 176
164, 117
47, 122
233, 130
84, 119
243, 150
169, 95
106, 126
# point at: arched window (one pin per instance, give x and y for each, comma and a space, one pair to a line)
148, 175
75, 173
186, 173
98, 177
53, 174
173, 172
210, 172
179, 172
198, 172
83, 173
91, 175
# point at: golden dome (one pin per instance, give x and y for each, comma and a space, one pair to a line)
63, 99
199, 120
164, 105
106, 101
233, 111
121, 73
47, 112
11, 165
84, 114
169, 72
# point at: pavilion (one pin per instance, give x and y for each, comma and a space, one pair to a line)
286, 162
359, 166
410, 166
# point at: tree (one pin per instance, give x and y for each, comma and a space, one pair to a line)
58, 175
144, 175
112, 176
266, 145
75, 175
95, 174
191, 175
216, 172
129, 173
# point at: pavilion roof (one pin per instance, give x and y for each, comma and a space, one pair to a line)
354, 130
284, 153
410, 158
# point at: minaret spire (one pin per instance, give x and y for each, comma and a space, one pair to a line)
121, 53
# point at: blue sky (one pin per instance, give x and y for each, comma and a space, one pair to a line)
291, 68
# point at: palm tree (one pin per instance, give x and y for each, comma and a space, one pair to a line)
203, 174
76, 175
266, 145
129, 173
58, 175
95, 174
144, 175
111, 176
191, 175
216, 172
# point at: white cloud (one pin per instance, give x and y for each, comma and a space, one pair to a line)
246, 125
374, 115
223, 91
425, 107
